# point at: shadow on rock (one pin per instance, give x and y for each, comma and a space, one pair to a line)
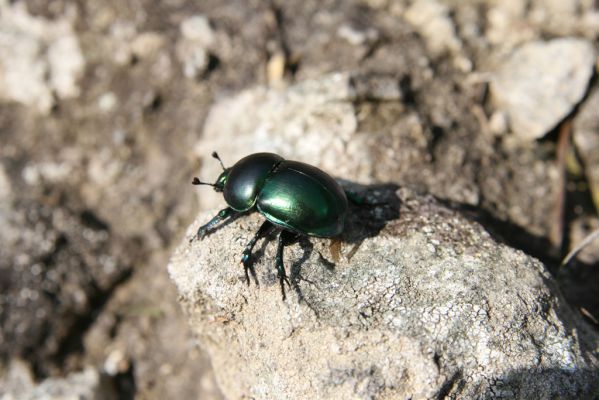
370, 208
555, 383
578, 281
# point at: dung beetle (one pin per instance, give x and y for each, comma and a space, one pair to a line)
295, 197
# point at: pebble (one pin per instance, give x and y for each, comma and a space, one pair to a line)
431, 19
193, 49
39, 58
197, 28
540, 84
357, 37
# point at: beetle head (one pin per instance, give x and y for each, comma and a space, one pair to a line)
219, 185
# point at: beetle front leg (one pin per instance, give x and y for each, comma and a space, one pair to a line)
285, 238
246, 258
222, 215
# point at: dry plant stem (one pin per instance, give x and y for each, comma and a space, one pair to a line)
556, 234
587, 240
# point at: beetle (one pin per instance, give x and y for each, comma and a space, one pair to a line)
297, 198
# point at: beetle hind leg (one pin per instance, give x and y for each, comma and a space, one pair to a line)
246, 258
285, 238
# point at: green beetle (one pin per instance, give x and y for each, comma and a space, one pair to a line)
298, 198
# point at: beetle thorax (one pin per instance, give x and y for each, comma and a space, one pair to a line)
245, 179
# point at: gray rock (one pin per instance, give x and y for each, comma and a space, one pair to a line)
39, 58
56, 264
541, 82
18, 384
423, 304
431, 18
193, 49
357, 37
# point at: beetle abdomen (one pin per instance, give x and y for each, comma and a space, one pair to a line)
304, 199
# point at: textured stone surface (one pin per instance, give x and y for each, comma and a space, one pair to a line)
423, 304
536, 91
431, 19
18, 384
39, 58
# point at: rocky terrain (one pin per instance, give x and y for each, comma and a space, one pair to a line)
475, 120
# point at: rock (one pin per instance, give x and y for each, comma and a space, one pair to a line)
565, 17
512, 23
38, 58
197, 28
18, 383
507, 25
423, 304
275, 69
432, 20
357, 37
57, 264
147, 44
193, 49
586, 140
535, 91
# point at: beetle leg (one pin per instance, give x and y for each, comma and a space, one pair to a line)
285, 237
222, 215
360, 199
354, 197
246, 258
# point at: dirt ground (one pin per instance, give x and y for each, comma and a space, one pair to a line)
98, 149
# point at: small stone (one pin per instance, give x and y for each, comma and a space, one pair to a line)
355, 36
541, 83
506, 24
116, 363
275, 68
84, 385
193, 49
147, 44
107, 102
39, 58
498, 123
197, 28
195, 62
432, 20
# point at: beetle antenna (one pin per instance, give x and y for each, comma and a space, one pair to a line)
215, 155
196, 181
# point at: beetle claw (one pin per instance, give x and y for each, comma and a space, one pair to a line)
283, 278
246, 261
